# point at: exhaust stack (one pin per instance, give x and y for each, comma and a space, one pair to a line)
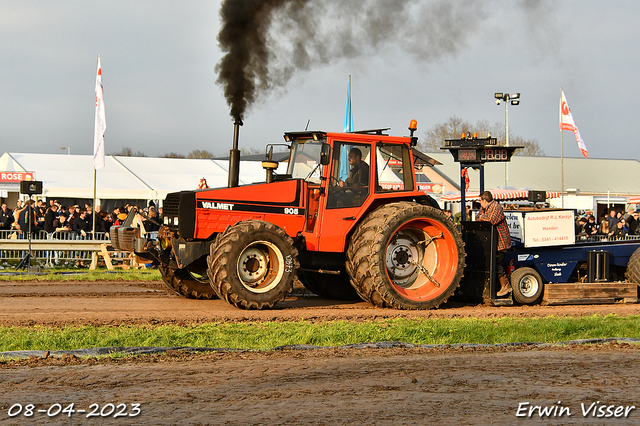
234, 156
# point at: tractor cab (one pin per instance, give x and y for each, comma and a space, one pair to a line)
347, 175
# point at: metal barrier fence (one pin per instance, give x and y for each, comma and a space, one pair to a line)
601, 238
57, 248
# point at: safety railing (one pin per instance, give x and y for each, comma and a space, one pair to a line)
598, 238
55, 249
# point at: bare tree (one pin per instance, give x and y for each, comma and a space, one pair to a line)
454, 127
172, 155
128, 152
251, 151
531, 147
200, 153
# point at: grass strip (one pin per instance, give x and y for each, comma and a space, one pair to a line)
84, 275
272, 334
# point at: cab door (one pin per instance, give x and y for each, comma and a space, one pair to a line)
348, 189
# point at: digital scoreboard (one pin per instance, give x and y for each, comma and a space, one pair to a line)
482, 155
474, 150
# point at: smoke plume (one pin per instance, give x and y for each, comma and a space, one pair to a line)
266, 42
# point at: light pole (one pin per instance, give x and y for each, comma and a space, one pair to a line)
68, 148
513, 100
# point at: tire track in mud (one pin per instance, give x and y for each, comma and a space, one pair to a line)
116, 303
337, 386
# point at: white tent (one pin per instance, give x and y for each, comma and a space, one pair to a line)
141, 178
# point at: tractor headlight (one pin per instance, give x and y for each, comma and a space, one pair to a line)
165, 243
168, 221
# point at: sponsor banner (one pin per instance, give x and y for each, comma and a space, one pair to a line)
392, 186
16, 176
515, 220
549, 228
435, 188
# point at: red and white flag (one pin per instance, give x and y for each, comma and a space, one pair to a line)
567, 123
100, 123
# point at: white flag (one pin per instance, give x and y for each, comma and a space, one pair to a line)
567, 123
100, 124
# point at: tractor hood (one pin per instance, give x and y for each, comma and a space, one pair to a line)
280, 193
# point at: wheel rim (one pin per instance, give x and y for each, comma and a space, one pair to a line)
260, 266
421, 259
403, 257
528, 286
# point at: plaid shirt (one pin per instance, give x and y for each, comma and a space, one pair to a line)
494, 214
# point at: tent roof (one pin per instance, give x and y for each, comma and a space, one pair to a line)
588, 175
126, 177
498, 194
152, 178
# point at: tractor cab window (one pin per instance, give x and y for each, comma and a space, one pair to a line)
393, 168
350, 175
304, 162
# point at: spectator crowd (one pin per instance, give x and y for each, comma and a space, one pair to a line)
56, 221
614, 225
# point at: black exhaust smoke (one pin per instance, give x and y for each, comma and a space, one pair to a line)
267, 42
243, 38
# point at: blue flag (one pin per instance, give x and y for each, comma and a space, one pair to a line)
348, 116
348, 127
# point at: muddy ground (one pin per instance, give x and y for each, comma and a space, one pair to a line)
327, 386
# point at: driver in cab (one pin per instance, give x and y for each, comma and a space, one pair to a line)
359, 172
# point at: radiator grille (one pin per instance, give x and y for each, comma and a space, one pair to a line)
171, 204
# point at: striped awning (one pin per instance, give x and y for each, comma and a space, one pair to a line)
634, 200
498, 194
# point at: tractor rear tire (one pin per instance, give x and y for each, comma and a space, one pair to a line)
633, 268
406, 255
253, 265
181, 282
328, 286
527, 286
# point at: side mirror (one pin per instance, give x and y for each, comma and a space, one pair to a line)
325, 154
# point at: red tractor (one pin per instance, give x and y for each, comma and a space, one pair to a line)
346, 219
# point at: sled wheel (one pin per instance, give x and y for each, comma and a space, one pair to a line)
253, 264
406, 256
633, 268
527, 286
328, 286
186, 284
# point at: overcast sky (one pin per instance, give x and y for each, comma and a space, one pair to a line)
159, 57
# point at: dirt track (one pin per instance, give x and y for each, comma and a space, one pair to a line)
148, 302
332, 386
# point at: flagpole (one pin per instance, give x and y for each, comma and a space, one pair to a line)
94, 202
98, 137
561, 147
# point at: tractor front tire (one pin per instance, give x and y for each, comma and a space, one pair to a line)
181, 282
253, 265
406, 255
